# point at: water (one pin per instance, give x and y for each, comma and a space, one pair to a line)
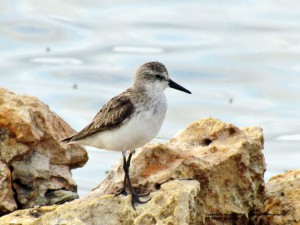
241, 60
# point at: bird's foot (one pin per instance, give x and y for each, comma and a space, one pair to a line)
122, 191
135, 198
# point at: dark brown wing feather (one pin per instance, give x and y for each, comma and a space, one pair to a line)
110, 116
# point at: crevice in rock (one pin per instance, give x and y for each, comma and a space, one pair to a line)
231, 131
206, 141
157, 186
25, 187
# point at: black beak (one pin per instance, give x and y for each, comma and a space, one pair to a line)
174, 85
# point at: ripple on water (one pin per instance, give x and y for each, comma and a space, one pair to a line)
289, 137
57, 61
137, 49
28, 34
31, 30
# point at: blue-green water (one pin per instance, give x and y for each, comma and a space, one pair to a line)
241, 60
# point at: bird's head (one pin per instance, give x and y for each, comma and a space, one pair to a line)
153, 76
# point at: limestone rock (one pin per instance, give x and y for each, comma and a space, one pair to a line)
282, 202
207, 174
30, 146
170, 205
7, 201
226, 161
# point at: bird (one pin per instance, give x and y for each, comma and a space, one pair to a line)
131, 119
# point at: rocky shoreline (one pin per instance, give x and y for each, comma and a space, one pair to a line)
209, 173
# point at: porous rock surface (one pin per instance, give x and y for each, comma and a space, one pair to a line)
34, 164
282, 203
210, 173
7, 203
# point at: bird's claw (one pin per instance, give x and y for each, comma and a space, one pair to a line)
122, 191
135, 198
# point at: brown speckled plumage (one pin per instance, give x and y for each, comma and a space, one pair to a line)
116, 111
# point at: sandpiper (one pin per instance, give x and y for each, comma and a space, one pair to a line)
131, 119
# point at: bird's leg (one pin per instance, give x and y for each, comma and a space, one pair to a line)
128, 165
134, 196
123, 191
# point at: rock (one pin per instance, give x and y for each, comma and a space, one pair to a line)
211, 173
30, 146
169, 205
226, 161
7, 201
282, 202
26, 216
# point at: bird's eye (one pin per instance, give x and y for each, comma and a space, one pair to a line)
158, 76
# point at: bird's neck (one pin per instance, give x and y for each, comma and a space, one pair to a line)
148, 91
149, 94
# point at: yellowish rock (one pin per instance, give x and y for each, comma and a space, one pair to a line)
170, 205
30, 146
226, 161
282, 202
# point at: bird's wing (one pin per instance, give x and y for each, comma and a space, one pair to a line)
116, 111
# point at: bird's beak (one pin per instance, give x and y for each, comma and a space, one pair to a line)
174, 85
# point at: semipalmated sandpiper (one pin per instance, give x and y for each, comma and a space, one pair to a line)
131, 119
